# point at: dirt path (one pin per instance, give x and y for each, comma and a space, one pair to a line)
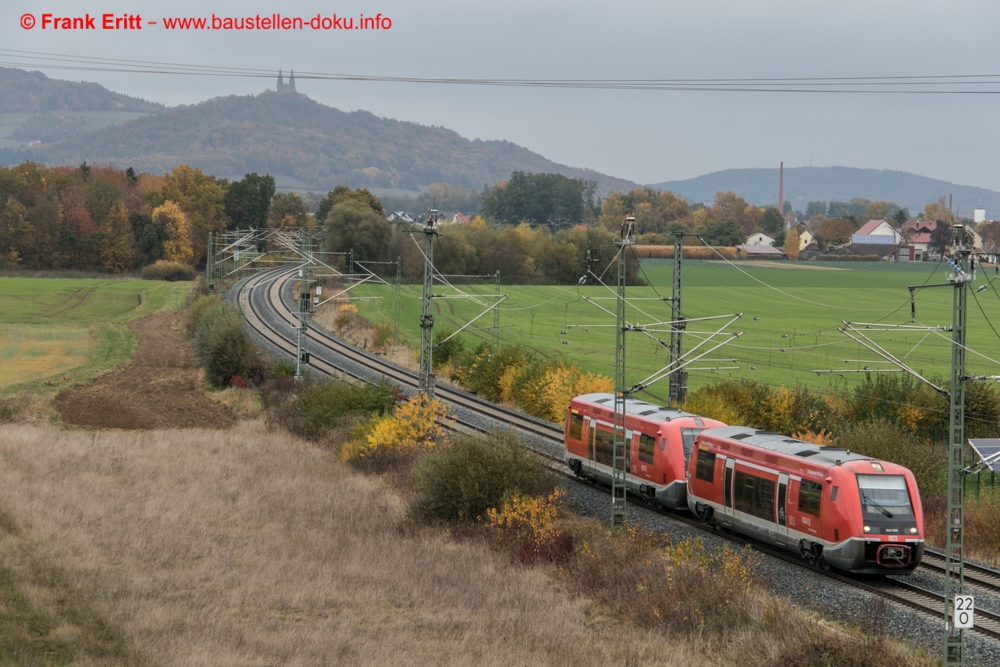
159, 389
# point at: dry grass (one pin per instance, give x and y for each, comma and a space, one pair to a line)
244, 402
30, 352
255, 548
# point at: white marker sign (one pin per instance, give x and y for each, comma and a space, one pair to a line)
965, 608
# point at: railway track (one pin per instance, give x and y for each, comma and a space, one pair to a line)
267, 312
263, 300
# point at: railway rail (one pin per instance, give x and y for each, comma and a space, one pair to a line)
263, 301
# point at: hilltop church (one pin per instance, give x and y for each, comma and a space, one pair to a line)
286, 87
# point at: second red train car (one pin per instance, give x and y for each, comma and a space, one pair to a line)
659, 442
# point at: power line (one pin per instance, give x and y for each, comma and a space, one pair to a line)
890, 85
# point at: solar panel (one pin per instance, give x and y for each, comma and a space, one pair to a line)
988, 450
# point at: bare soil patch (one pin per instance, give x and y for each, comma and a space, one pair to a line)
159, 389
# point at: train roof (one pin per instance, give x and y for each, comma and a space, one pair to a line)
783, 444
635, 407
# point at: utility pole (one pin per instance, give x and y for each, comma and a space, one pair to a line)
305, 301
496, 315
677, 390
427, 309
399, 304
620, 463
208, 263
954, 575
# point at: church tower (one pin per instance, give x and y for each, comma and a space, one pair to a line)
281, 82
291, 83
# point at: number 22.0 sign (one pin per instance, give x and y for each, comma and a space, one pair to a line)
965, 607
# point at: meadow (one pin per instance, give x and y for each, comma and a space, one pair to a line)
57, 331
791, 315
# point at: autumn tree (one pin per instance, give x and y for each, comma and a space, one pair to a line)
878, 210
792, 243
538, 198
990, 231
177, 246
835, 231
201, 198
116, 247
938, 212
730, 206
288, 210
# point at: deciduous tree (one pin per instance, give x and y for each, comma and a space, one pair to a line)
200, 197
248, 201
116, 247
353, 225
792, 243
177, 246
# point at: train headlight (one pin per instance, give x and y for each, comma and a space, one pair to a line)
868, 529
913, 530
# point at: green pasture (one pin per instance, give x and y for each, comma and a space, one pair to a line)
70, 329
791, 314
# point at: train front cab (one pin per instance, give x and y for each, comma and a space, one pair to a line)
816, 511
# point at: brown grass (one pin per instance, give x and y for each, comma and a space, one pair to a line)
254, 548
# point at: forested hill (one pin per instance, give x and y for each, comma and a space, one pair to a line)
304, 144
33, 92
805, 184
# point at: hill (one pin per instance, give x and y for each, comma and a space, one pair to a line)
805, 184
302, 143
33, 92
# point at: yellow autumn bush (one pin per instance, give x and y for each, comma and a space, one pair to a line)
416, 424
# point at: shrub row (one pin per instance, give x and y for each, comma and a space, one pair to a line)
512, 374
171, 271
312, 409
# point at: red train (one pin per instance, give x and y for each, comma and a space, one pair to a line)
660, 441
835, 508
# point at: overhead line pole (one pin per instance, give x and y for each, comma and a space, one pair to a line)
677, 390
427, 309
620, 467
954, 575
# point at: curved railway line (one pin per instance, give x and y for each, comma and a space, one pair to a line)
264, 301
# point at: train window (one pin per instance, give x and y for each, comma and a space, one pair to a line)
604, 445
706, 466
754, 495
809, 497
647, 444
687, 437
576, 427
833, 494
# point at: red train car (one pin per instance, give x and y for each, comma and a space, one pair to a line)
835, 508
660, 441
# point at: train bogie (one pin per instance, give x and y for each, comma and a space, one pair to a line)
658, 443
833, 507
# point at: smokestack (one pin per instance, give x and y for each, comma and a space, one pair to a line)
949, 203
781, 189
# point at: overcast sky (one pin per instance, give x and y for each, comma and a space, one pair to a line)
645, 136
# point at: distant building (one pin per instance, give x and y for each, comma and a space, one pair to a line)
760, 239
759, 252
398, 216
979, 215
461, 218
876, 232
286, 87
807, 242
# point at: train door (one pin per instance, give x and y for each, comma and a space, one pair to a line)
728, 491
782, 508
588, 426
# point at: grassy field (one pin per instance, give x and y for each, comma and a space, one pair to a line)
791, 313
60, 330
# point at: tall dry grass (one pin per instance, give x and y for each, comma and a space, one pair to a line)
256, 548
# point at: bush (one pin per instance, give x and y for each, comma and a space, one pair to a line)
482, 370
447, 351
528, 527
465, 477
226, 349
681, 587
198, 307
164, 270
317, 407
383, 335
414, 425
7, 410
283, 367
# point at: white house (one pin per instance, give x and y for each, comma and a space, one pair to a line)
759, 239
876, 232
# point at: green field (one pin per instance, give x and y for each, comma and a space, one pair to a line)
58, 331
791, 317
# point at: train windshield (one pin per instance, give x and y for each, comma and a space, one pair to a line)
885, 496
